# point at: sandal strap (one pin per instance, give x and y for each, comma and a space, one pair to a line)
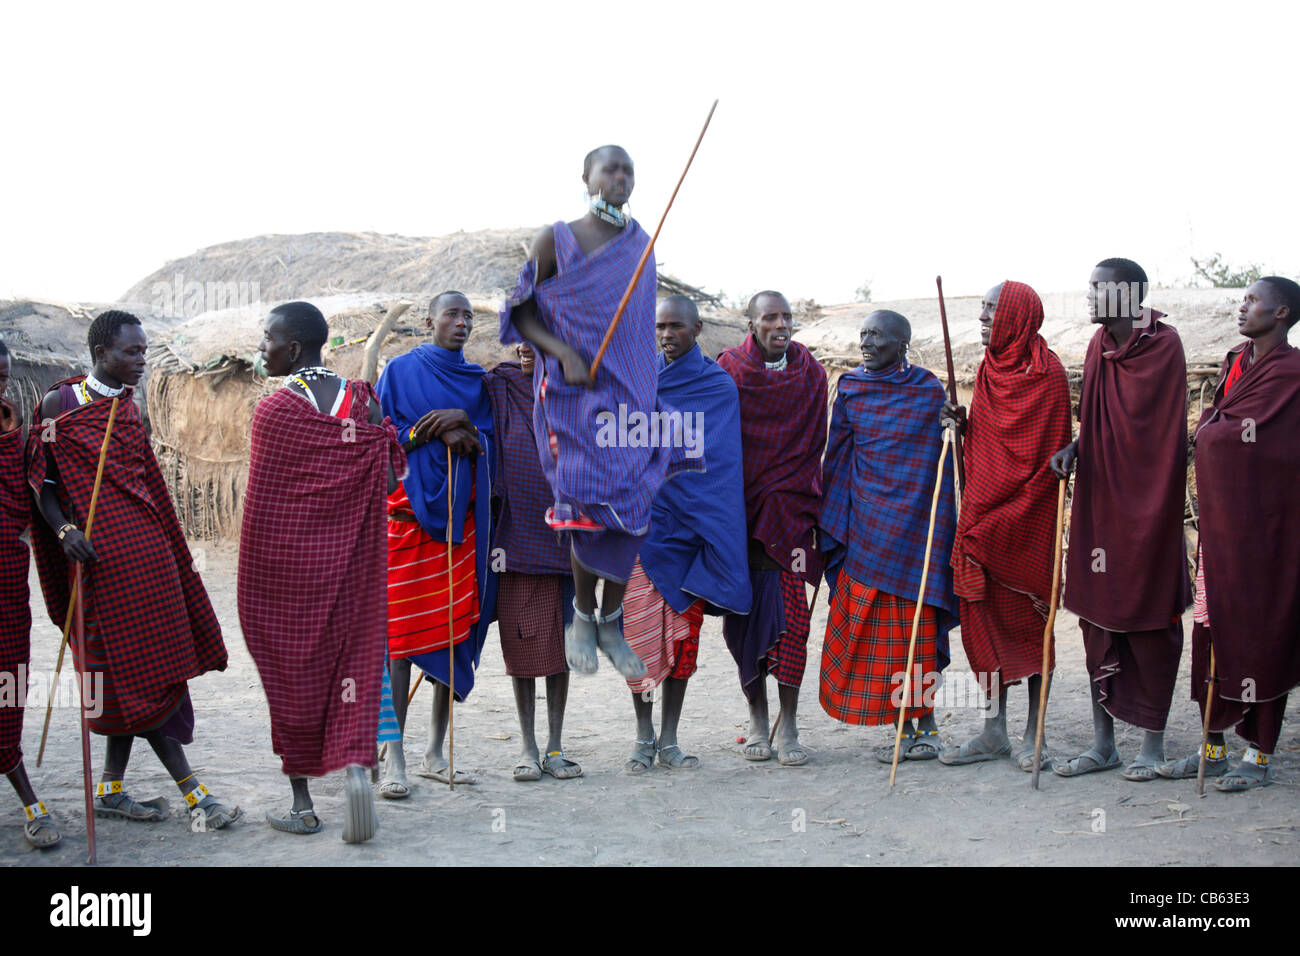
589, 618
605, 618
37, 809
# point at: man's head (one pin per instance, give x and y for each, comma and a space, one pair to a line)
292, 336
677, 323
4, 369
527, 357
883, 337
988, 309
1270, 307
608, 172
117, 348
452, 319
771, 323
1116, 290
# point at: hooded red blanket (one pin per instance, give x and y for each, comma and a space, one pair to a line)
313, 566
1019, 418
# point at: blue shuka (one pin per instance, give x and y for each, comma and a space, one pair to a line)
610, 483
413, 384
696, 544
878, 478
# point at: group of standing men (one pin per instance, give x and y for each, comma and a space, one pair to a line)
601, 512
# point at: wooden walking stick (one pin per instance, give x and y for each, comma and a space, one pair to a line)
79, 662
1205, 730
952, 386
636, 276
1044, 677
920, 606
76, 584
414, 687
451, 644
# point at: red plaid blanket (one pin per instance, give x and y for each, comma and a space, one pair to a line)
143, 596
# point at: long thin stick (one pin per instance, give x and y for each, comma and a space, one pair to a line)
451, 643
636, 276
414, 687
79, 662
1205, 730
76, 584
920, 606
1047, 631
952, 383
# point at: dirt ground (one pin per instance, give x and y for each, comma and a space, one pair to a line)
836, 810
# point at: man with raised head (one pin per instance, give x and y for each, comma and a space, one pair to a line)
313, 564
693, 560
1247, 610
149, 627
16, 616
1126, 570
601, 464
1002, 557
437, 401
878, 478
783, 433
535, 577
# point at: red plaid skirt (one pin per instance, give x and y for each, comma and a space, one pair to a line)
530, 618
1003, 638
668, 642
864, 656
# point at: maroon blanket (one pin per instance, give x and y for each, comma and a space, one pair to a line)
1129, 484
313, 566
783, 435
143, 600
1247, 460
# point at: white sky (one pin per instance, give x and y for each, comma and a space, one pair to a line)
853, 141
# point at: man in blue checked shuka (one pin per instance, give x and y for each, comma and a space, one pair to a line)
879, 475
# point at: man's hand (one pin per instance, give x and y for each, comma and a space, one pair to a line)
1062, 463
576, 370
462, 440
76, 547
953, 416
433, 424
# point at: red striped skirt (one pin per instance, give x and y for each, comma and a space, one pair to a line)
417, 588
666, 641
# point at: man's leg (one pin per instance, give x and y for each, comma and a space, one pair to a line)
756, 745
1025, 756
111, 798
670, 754
609, 632
790, 751
169, 750
992, 741
642, 757
1261, 726
581, 634
39, 829
529, 767
1103, 755
557, 695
